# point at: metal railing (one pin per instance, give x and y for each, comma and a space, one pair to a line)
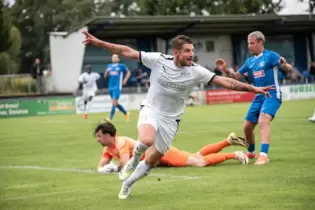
13, 84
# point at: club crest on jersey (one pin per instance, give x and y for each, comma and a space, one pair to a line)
262, 63
258, 74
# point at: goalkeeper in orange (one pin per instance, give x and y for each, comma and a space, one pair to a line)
120, 148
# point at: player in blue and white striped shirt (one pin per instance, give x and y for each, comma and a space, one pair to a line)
262, 68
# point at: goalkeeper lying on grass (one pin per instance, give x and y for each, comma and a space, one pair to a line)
120, 148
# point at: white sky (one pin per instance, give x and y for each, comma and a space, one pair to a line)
290, 7
294, 7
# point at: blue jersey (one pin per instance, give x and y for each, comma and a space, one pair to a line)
115, 75
263, 70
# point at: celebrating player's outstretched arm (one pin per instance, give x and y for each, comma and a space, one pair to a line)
221, 66
240, 86
118, 49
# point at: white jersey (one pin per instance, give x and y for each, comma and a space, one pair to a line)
89, 81
170, 85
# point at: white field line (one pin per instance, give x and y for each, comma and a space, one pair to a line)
71, 122
94, 171
170, 178
78, 190
48, 194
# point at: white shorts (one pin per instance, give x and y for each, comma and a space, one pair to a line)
165, 127
87, 94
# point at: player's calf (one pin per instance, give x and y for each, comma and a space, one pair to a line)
264, 124
250, 138
143, 169
146, 139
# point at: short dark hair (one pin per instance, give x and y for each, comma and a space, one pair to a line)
179, 40
105, 128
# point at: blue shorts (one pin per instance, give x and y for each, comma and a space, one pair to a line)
114, 94
262, 104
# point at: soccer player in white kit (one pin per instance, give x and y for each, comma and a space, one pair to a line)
172, 79
312, 119
88, 82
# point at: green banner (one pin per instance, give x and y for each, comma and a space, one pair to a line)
35, 107
302, 88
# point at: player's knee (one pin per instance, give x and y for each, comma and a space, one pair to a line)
85, 102
263, 121
200, 163
196, 161
115, 102
147, 140
90, 98
249, 127
146, 134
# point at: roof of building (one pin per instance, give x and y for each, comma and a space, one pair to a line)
168, 26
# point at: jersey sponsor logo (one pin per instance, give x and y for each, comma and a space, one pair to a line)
113, 73
185, 74
258, 74
171, 85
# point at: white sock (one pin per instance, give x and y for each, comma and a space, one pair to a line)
263, 154
87, 107
142, 170
138, 150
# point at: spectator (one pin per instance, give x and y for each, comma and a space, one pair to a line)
37, 74
142, 78
312, 71
296, 75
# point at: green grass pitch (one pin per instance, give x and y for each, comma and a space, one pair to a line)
60, 144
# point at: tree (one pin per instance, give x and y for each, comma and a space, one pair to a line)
116, 8
5, 26
36, 18
207, 7
9, 59
10, 43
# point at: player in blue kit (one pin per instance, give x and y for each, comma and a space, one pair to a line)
262, 68
114, 73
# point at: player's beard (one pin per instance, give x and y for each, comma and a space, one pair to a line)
185, 62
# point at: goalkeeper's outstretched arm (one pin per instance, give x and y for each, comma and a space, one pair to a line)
103, 161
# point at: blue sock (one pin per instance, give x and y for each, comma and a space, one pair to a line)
264, 148
251, 148
112, 112
121, 109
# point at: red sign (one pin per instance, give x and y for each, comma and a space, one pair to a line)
259, 74
228, 96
